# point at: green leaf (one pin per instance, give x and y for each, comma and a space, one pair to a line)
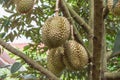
116, 48
26, 47
11, 37
2, 34
29, 77
6, 22
15, 67
3, 76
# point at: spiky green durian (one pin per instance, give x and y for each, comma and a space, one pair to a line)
55, 31
24, 6
55, 61
75, 55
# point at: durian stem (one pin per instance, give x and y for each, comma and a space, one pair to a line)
72, 33
57, 8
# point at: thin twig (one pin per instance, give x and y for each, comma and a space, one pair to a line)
80, 21
72, 33
57, 8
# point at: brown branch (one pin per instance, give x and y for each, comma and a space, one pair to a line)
104, 56
114, 55
112, 75
68, 15
98, 39
111, 55
28, 60
80, 21
90, 39
76, 32
72, 33
91, 23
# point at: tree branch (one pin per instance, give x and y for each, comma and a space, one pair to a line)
90, 39
68, 15
76, 32
111, 55
80, 21
114, 55
112, 75
28, 60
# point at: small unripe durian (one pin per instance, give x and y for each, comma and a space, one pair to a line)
115, 9
75, 55
55, 31
24, 6
55, 61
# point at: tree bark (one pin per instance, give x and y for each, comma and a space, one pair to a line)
112, 75
90, 38
98, 39
28, 60
104, 56
80, 21
67, 14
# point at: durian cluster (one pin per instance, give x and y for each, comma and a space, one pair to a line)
114, 8
63, 53
24, 6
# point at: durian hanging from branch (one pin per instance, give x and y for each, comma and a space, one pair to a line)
75, 56
54, 61
114, 6
24, 6
56, 30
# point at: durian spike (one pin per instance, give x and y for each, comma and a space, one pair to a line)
57, 8
72, 33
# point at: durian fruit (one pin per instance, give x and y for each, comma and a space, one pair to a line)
75, 56
115, 9
24, 6
55, 61
55, 31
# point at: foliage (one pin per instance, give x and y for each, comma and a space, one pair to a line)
114, 64
15, 67
30, 25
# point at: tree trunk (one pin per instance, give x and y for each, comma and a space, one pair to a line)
98, 39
